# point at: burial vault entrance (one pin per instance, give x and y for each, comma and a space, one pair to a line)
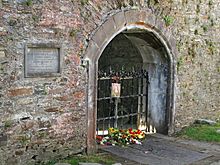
130, 72
132, 83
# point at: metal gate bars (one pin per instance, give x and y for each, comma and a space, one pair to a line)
122, 99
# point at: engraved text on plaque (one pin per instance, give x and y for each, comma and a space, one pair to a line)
42, 62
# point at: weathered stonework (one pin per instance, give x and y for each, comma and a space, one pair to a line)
46, 118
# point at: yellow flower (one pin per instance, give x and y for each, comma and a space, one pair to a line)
141, 136
111, 130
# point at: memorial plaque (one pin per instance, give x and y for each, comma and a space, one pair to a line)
42, 62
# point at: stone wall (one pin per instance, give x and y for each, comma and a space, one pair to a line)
41, 118
45, 118
197, 28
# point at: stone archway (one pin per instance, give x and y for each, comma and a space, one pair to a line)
131, 20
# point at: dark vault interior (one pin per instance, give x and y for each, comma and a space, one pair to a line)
134, 64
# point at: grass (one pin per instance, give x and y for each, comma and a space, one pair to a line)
201, 132
101, 158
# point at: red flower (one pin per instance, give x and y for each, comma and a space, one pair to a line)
99, 138
138, 131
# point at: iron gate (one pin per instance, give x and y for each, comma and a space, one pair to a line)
122, 98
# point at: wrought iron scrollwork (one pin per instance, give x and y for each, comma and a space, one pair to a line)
123, 74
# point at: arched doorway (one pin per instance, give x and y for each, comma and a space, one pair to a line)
132, 83
125, 43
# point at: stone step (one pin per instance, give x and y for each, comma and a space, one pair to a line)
85, 164
97, 163
89, 163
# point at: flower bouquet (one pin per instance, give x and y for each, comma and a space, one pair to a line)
121, 137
